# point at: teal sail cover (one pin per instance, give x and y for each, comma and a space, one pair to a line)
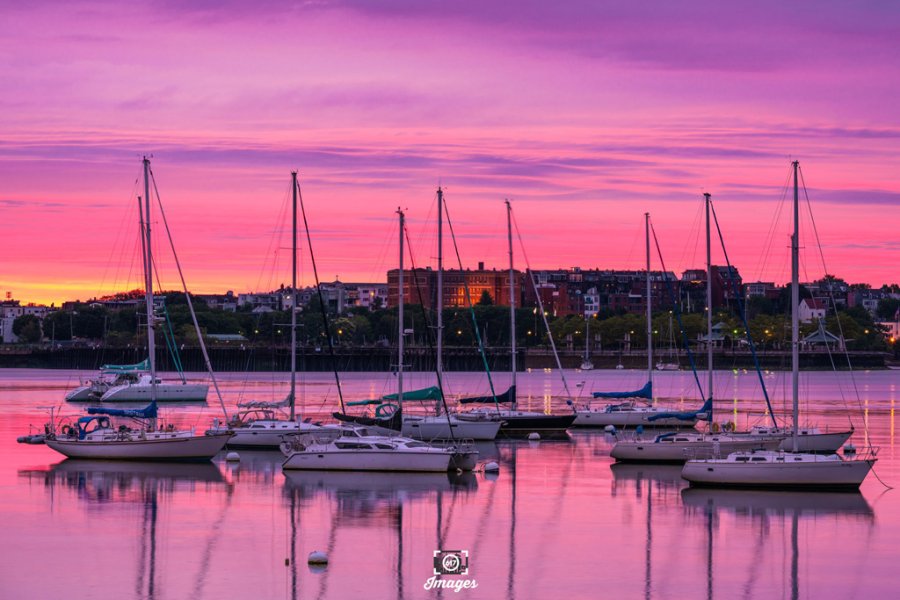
644, 392
144, 365
429, 393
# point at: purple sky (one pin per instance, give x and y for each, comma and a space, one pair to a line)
586, 114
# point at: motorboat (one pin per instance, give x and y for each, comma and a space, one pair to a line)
355, 450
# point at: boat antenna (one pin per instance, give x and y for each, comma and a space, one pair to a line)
148, 287
293, 295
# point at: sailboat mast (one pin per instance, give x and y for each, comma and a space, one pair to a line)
649, 308
401, 297
709, 307
439, 303
148, 284
795, 303
512, 299
294, 296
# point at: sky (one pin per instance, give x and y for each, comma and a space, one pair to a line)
585, 114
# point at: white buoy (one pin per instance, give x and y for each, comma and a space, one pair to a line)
849, 449
610, 429
317, 558
534, 435
491, 467
233, 457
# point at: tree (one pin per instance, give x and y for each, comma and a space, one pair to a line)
28, 329
887, 308
485, 299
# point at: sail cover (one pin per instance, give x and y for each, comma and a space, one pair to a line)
507, 396
148, 412
705, 413
144, 365
429, 393
644, 392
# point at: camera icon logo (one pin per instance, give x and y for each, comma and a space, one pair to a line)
451, 562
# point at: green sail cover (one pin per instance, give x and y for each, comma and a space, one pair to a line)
144, 365
429, 393
363, 402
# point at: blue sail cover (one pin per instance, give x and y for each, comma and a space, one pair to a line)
507, 396
705, 413
644, 392
148, 412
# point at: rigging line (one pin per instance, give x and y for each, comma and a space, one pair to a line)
677, 311
537, 295
428, 326
187, 296
837, 317
126, 216
481, 350
322, 306
769, 240
742, 310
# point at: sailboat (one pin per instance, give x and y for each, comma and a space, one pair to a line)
586, 364
439, 426
680, 446
96, 437
263, 424
355, 448
781, 469
637, 408
514, 422
672, 365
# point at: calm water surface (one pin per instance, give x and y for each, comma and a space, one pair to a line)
558, 521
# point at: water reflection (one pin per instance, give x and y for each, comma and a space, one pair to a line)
376, 501
146, 485
763, 514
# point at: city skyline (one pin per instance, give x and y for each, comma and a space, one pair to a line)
620, 111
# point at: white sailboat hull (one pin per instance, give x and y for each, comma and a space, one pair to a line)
816, 442
601, 418
165, 392
810, 471
665, 451
197, 447
388, 460
438, 428
80, 394
270, 434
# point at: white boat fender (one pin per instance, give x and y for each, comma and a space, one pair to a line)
534, 435
317, 558
610, 429
491, 467
233, 457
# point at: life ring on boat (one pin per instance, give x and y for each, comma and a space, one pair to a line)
714, 427
66, 430
386, 410
728, 426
